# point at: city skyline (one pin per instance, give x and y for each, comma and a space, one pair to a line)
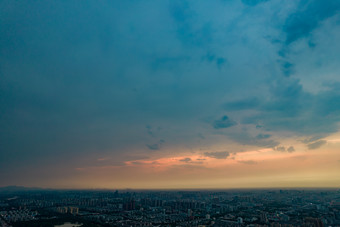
170, 94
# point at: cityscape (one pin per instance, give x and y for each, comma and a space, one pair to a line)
242, 207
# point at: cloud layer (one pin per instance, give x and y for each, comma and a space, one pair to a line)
80, 81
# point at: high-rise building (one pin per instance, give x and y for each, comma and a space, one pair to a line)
73, 210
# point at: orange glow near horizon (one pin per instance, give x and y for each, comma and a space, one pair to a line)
253, 168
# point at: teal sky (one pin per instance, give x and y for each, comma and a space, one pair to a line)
161, 92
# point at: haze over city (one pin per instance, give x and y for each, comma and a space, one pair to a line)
170, 94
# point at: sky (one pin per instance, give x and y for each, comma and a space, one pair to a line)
170, 94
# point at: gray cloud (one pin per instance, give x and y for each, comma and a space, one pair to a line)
280, 148
185, 160
217, 154
248, 162
316, 145
291, 149
312, 139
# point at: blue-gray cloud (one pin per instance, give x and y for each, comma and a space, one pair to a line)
308, 15
243, 104
153, 146
224, 122
211, 58
184, 17
156, 146
253, 2
263, 136
245, 137
300, 25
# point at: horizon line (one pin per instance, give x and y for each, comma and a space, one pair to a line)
171, 189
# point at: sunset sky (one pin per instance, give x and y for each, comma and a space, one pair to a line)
170, 94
